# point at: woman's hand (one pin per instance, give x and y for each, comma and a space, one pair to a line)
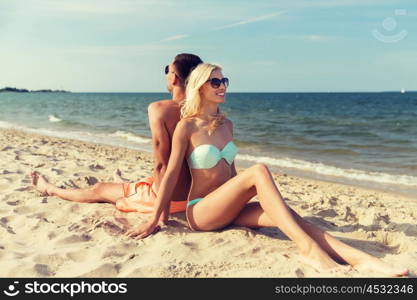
163, 219
144, 230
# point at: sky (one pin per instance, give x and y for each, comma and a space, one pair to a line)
263, 46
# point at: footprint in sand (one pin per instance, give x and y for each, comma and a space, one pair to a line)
57, 171
349, 215
7, 180
39, 216
75, 239
191, 245
43, 270
329, 213
299, 273
70, 183
95, 167
77, 256
111, 228
105, 270
408, 229
114, 252
13, 203
7, 227
7, 148
77, 228
333, 201
23, 189
75, 208
51, 235
19, 255
22, 210
91, 180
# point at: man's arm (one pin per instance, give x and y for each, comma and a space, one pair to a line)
161, 147
160, 143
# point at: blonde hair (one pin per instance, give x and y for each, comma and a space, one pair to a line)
192, 105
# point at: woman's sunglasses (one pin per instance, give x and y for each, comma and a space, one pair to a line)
216, 82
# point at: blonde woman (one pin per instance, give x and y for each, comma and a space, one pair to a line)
219, 197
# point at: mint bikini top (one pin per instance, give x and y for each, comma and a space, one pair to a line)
206, 156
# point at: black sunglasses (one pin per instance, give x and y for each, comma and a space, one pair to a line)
216, 82
166, 69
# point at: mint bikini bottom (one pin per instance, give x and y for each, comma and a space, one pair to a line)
192, 202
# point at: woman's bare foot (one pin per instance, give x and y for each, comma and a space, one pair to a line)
321, 261
373, 264
41, 183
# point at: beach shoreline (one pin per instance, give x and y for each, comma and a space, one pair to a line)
50, 237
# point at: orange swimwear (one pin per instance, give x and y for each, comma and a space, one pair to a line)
140, 197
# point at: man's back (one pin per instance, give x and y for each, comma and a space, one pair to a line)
163, 118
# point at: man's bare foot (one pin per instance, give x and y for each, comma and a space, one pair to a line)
374, 264
321, 261
41, 183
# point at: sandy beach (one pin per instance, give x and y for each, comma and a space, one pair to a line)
50, 237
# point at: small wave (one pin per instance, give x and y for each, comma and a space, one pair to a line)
54, 118
132, 137
101, 138
6, 125
323, 169
339, 152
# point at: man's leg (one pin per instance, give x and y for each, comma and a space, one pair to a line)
99, 192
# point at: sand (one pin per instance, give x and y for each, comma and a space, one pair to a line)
50, 237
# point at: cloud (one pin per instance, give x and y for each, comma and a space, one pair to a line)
340, 3
117, 51
316, 38
175, 37
251, 20
309, 37
75, 7
247, 21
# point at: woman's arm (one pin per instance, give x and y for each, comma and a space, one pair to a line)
230, 126
234, 173
180, 142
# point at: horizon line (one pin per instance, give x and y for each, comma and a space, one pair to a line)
249, 92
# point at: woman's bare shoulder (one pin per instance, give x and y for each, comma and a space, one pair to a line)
186, 126
229, 124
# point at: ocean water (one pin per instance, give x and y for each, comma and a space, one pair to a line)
366, 139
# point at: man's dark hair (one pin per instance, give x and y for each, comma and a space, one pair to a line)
184, 63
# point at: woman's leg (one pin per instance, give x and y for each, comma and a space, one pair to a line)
255, 217
100, 192
222, 206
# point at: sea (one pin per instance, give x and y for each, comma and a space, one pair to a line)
363, 139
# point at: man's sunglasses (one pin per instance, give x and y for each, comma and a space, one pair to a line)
166, 69
216, 82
